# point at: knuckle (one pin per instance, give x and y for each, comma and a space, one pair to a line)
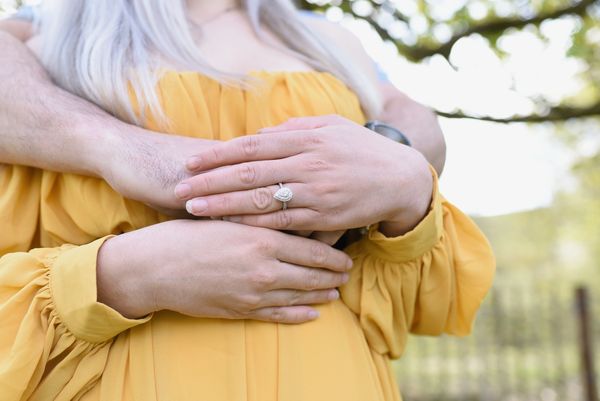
277, 314
265, 246
224, 203
248, 303
317, 165
264, 278
205, 183
250, 145
284, 219
336, 211
216, 154
340, 279
318, 254
261, 198
247, 174
314, 280
295, 298
327, 189
311, 140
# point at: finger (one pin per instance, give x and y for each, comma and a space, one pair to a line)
311, 253
289, 219
305, 123
328, 237
295, 277
288, 314
254, 148
254, 201
302, 233
238, 177
295, 124
297, 297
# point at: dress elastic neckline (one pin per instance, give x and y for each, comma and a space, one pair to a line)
262, 73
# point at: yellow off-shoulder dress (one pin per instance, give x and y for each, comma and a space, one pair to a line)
58, 343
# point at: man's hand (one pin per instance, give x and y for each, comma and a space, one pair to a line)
182, 265
146, 166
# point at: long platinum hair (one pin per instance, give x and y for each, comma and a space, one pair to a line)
108, 50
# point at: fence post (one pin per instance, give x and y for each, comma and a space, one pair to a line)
585, 343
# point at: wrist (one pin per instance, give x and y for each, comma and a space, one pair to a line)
120, 285
98, 139
415, 202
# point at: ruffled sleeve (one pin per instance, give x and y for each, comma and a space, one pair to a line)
429, 281
54, 336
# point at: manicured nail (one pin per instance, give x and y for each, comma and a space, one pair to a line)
182, 191
333, 295
313, 314
193, 163
233, 219
196, 206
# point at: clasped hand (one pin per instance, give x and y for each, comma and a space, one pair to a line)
342, 176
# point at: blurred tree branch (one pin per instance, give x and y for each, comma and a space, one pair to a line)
555, 114
497, 25
491, 28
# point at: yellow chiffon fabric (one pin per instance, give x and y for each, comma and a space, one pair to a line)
58, 343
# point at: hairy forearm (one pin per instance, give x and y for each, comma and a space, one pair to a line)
419, 124
42, 125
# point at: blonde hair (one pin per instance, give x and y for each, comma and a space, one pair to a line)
102, 49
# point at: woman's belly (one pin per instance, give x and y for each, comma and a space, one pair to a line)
179, 358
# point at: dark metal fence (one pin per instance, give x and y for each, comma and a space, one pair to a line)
526, 345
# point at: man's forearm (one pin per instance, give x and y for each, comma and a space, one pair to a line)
42, 125
418, 123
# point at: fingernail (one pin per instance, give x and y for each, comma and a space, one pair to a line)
349, 264
182, 191
196, 206
193, 163
233, 219
313, 314
333, 295
345, 278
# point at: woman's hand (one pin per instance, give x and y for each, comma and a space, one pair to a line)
219, 269
342, 176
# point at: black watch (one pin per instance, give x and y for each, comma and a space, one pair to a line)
388, 131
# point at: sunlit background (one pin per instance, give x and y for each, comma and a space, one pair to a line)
532, 181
